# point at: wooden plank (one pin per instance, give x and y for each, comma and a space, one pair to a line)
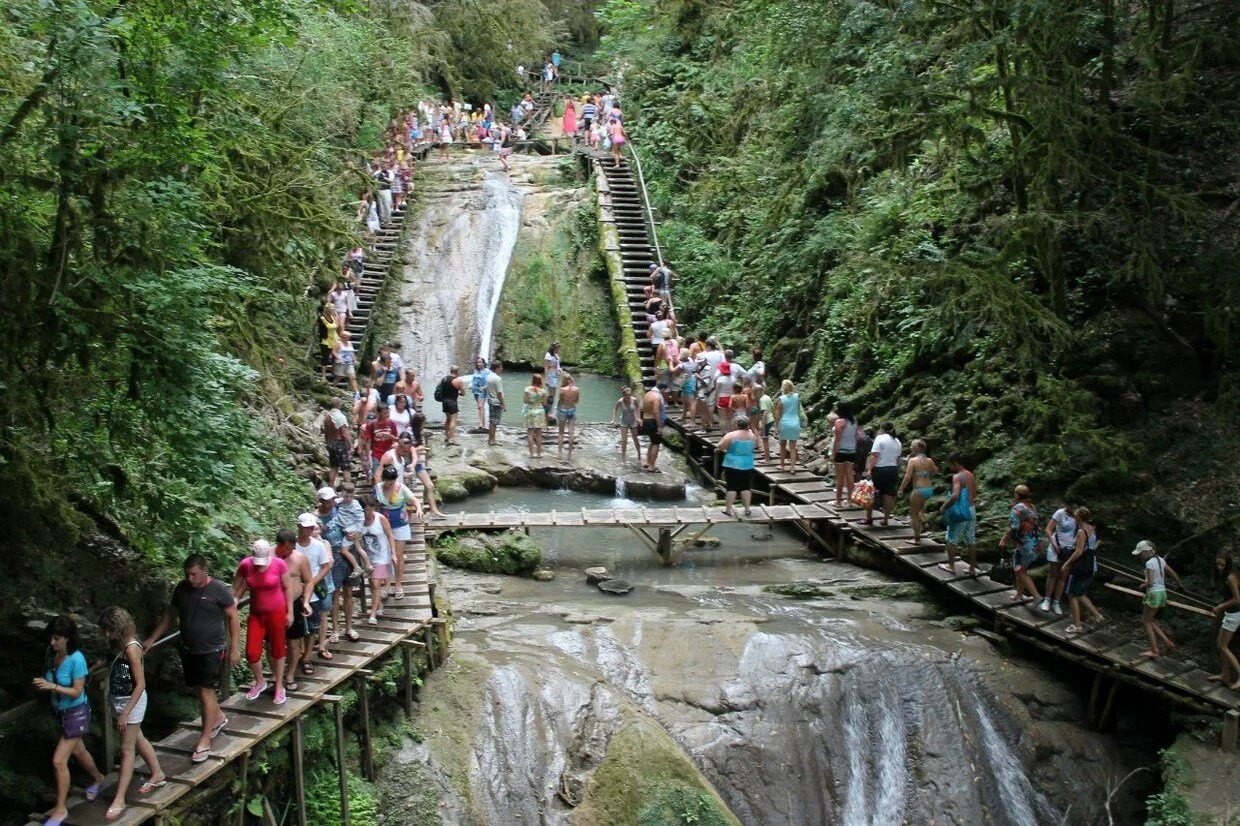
976, 586
803, 487
240, 724
264, 707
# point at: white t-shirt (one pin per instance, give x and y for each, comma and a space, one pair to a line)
318, 553
888, 448
1159, 568
374, 540
757, 373
338, 418
712, 358
1065, 529
403, 420
659, 330
724, 385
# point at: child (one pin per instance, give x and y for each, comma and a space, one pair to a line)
767, 405
1156, 572
127, 695
345, 357
627, 409
352, 519
376, 536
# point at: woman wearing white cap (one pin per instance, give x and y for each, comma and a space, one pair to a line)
1156, 572
265, 576
399, 505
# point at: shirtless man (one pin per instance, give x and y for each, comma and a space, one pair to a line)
570, 394
298, 596
336, 436
652, 422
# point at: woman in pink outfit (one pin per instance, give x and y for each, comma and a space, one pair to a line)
570, 118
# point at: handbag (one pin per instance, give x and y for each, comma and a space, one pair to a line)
75, 721
960, 510
863, 494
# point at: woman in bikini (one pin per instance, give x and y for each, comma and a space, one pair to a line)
627, 411
919, 479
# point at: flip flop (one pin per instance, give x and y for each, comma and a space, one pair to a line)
215, 732
352, 635
91, 792
325, 654
291, 686
114, 812
200, 756
54, 821
150, 786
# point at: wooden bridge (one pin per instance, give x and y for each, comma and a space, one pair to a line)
1114, 658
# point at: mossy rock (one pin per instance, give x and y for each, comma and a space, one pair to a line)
510, 552
798, 590
960, 622
892, 590
646, 779
673, 440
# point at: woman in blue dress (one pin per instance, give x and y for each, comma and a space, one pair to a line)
789, 418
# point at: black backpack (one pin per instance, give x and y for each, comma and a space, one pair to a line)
440, 388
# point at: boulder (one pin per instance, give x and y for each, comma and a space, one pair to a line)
510, 552
615, 586
544, 574
596, 575
798, 590
960, 622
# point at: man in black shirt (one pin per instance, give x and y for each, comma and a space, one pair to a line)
200, 606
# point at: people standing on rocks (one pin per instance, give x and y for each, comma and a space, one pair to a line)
319, 557
493, 392
551, 376
126, 694
210, 627
1228, 612
1081, 566
958, 512
919, 481
789, 418
65, 678
534, 413
1061, 536
566, 415
883, 468
1156, 572
1024, 536
336, 438
478, 387
265, 577
625, 412
652, 426
299, 594
844, 452
448, 394
738, 447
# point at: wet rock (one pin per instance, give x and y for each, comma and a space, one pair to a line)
700, 542
762, 536
798, 590
960, 622
510, 552
596, 575
615, 586
892, 590
544, 575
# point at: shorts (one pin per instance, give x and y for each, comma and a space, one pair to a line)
1052, 553
325, 354
690, 385
1155, 599
568, 413
496, 413
962, 533
450, 408
402, 533
1023, 557
262, 628
724, 402
650, 428
202, 670
767, 428
340, 567
1231, 621
318, 608
139, 710
886, 480
737, 480
300, 629
1078, 586
845, 457
382, 572
338, 454
74, 722
344, 370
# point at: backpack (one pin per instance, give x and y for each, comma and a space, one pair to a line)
441, 387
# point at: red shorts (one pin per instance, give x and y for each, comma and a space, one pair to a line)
724, 403
269, 627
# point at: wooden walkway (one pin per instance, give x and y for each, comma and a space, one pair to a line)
642, 517
1109, 655
249, 723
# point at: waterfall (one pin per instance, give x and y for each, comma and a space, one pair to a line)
503, 206
622, 488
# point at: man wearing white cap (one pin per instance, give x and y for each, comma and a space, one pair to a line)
266, 578
1156, 572
319, 555
333, 530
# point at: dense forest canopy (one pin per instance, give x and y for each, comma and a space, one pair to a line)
1010, 225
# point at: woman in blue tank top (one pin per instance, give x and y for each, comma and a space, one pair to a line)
737, 448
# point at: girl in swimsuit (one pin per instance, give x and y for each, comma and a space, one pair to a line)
570, 394
626, 409
919, 478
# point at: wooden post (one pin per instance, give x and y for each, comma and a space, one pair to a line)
299, 773
441, 631
245, 787
363, 706
341, 769
1094, 694
1110, 704
1231, 727
406, 659
109, 731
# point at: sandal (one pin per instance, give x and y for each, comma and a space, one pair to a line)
200, 756
91, 792
334, 639
114, 812
324, 654
215, 732
352, 635
307, 669
291, 686
151, 785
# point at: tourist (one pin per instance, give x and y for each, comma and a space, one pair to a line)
445, 138
737, 447
767, 418
556, 59
844, 452
789, 418
1229, 611
336, 437
266, 578
1081, 566
377, 438
958, 512
65, 677
569, 121
401, 414
328, 337
410, 386
626, 410
661, 277
448, 394
338, 297
1156, 572
299, 593
673, 378
722, 402
757, 370
398, 181
883, 467
742, 394
615, 132
478, 387
686, 374
495, 400
919, 480
566, 414
378, 541
661, 329
1024, 536
319, 556
551, 377
126, 693
1061, 536
589, 119
344, 357
389, 367
368, 214
200, 606
332, 530
401, 506
651, 427
534, 413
